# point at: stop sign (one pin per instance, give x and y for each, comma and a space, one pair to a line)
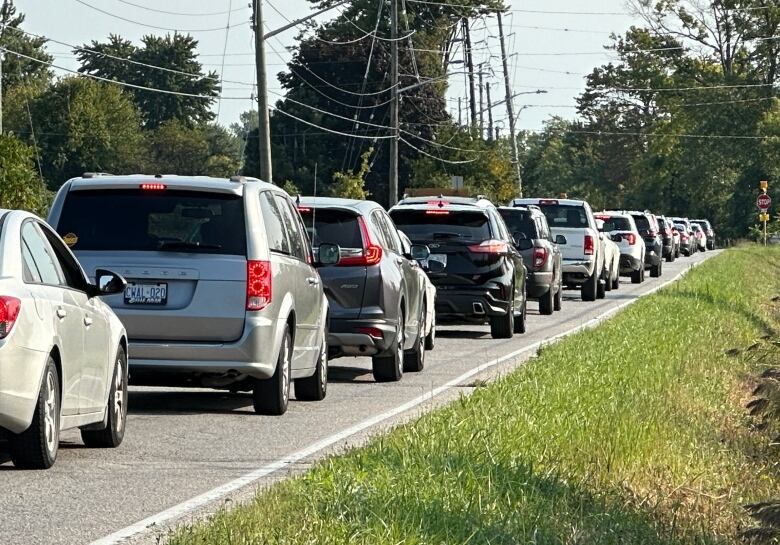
764, 201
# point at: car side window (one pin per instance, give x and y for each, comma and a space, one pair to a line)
274, 224
71, 271
297, 244
500, 226
391, 232
379, 229
30, 272
42, 255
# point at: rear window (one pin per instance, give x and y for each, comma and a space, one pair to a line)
420, 225
642, 223
615, 223
520, 222
562, 215
332, 226
169, 221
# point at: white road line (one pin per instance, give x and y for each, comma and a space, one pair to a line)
219, 492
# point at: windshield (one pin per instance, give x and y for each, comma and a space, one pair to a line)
331, 226
519, 221
561, 215
420, 225
137, 220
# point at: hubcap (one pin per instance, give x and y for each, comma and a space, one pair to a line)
286, 369
119, 395
400, 347
50, 414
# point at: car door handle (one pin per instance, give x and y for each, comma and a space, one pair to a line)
313, 280
61, 313
87, 321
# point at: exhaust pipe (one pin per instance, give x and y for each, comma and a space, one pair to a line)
478, 308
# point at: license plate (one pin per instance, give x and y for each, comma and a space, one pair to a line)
441, 258
146, 294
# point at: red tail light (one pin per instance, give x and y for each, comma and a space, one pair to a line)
489, 247
154, 186
684, 238
437, 212
589, 247
9, 312
631, 238
374, 332
372, 252
258, 284
540, 257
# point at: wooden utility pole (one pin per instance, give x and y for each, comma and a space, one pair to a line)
509, 109
264, 124
489, 112
460, 114
470, 71
481, 105
1, 93
393, 181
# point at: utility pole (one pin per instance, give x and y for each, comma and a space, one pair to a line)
470, 70
393, 182
264, 125
460, 114
489, 112
1, 93
481, 106
509, 108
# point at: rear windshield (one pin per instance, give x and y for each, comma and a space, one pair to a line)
332, 226
562, 215
519, 222
169, 221
616, 223
421, 225
642, 223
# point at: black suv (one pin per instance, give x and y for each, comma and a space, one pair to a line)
483, 277
666, 228
529, 229
376, 296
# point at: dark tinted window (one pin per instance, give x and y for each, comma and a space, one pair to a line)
520, 221
642, 223
332, 226
297, 242
274, 224
42, 255
132, 219
419, 225
561, 215
615, 223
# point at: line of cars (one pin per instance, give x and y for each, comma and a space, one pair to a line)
234, 285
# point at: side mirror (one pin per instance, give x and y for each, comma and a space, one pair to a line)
419, 252
617, 238
560, 239
524, 244
329, 254
435, 266
108, 283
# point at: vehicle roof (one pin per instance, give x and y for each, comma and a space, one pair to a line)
634, 212
359, 206
565, 202
172, 181
530, 208
479, 200
612, 213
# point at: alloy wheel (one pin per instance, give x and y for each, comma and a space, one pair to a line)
50, 414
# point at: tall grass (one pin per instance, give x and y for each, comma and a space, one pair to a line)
632, 433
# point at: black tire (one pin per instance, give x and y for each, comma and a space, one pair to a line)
601, 288
520, 322
616, 281
272, 396
315, 387
414, 359
608, 282
503, 327
670, 257
657, 270
547, 302
116, 410
37, 446
389, 367
589, 289
430, 339
558, 302
637, 276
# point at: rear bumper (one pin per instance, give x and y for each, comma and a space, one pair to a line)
254, 354
471, 304
653, 256
668, 248
346, 339
538, 283
21, 371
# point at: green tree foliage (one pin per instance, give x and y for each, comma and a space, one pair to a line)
20, 186
17, 69
208, 150
175, 52
351, 184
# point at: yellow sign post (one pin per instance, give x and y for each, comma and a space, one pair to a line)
763, 202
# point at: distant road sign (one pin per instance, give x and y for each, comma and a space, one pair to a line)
764, 201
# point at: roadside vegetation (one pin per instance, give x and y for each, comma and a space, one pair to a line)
634, 432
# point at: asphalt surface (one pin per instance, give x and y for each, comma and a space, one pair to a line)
182, 443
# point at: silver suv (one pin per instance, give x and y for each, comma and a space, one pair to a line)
221, 288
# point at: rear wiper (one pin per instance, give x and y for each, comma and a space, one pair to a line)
184, 245
447, 235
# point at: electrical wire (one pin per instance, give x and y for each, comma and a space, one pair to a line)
340, 133
447, 161
179, 13
224, 51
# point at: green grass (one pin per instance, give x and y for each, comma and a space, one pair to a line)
632, 433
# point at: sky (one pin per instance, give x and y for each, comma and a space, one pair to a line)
549, 48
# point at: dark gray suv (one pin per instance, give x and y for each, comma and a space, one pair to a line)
377, 299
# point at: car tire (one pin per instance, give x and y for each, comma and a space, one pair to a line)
414, 359
520, 322
116, 410
601, 288
315, 387
272, 396
616, 281
589, 289
670, 257
503, 327
547, 302
389, 367
558, 301
37, 446
608, 282
657, 270
637, 276
430, 338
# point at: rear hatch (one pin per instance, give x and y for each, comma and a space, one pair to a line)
616, 225
571, 221
183, 253
645, 230
520, 221
345, 283
460, 238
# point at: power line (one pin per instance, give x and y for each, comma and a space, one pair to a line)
179, 13
224, 50
326, 129
447, 161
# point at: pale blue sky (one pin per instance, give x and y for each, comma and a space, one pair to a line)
532, 66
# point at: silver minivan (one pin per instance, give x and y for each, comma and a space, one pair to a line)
221, 287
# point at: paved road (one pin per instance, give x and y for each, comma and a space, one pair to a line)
183, 443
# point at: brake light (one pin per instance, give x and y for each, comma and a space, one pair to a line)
437, 212
489, 247
9, 312
540, 257
372, 253
684, 238
631, 237
304, 209
589, 246
602, 218
153, 187
258, 284
374, 332
548, 201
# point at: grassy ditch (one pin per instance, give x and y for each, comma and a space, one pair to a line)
633, 433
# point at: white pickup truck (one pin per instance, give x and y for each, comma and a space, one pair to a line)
582, 251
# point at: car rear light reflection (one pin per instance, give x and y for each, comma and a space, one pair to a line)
589, 247
258, 284
372, 252
489, 247
374, 332
9, 312
540, 257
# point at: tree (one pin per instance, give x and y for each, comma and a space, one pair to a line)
207, 150
351, 184
189, 98
20, 186
18, 69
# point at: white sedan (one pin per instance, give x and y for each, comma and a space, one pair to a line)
63, 351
